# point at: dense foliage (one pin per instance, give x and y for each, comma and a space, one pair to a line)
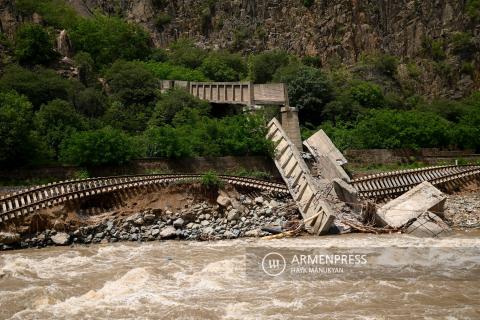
113, 110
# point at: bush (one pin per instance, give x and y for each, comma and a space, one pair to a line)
387, 64
167, 71
473, 9
183, 52
99, 147
40, 85
107, 39
367, 94
263, 66
434, 48
223, 66
393, 129
167, 142
86, 68
463, 45
308, 3
174, 101
131, 83
55, 13
55, 121
15, 127
210, 180
33, 45
162, 20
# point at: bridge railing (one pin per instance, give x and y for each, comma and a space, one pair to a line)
245, 93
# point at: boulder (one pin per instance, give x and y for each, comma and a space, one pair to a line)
9, 237
178, 223
224, 201
233, 215
149, 217
259, 200
61, 239
168, 232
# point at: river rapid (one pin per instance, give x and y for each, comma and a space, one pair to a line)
207, 280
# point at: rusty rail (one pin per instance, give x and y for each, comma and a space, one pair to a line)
35, 198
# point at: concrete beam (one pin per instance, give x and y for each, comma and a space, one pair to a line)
291, 125
329, 159
411, 205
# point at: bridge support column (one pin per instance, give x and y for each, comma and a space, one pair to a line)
291, 125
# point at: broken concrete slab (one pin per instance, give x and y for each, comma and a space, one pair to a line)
329, 159
424, 197
428, 224
317, 213
347, 193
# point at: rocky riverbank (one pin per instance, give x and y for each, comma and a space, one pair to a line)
227, 218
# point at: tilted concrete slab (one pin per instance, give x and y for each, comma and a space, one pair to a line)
428, 224
411, 205
328, 157
347, 193
317, 213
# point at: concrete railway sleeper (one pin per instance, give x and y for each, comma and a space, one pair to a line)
32, 199
394, 183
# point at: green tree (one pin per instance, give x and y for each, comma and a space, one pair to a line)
55, 121
131, 83
367, 94
308, 89
40, 85
86, 68
55, 13
263, 66
167, 141
33, 45
393, 129
167, 71
132, 118
224, 66
184, 52
107, 39
90, 103
98, 147
172, 102
15, 128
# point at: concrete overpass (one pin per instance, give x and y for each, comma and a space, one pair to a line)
247, 94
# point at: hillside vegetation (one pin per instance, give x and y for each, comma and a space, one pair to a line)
110, 110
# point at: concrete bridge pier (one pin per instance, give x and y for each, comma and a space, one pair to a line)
291, 125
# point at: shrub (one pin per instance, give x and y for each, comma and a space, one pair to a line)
15, 126
434, 48
463, 45
86, 68
387, 64
56, 13
98, 147
33, 45
473, 8
367, 94
168, 142
210, 180
162, 20
107, 39
131, 118
263, 66
308, 3
40, 85
131, 83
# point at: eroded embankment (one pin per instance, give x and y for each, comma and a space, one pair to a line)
175, 212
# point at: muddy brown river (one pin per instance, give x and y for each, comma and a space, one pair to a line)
439, 279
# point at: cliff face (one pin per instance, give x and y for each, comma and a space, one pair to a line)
332, 30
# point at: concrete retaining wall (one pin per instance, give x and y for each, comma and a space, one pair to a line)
222, 165
428, 155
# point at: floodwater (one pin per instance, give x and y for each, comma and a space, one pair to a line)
208, 280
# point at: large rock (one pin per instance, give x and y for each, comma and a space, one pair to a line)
9, 237
61, 239
428, 224
224, 201
233, 215
168, 232
178, 223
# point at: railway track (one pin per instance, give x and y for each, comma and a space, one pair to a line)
389, 184
29, 200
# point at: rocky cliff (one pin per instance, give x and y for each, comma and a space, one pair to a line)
332, 30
